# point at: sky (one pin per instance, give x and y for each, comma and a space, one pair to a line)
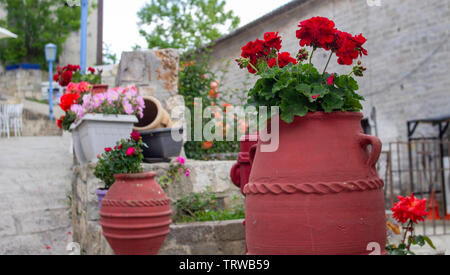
120, 20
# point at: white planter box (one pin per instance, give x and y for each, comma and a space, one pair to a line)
95, 132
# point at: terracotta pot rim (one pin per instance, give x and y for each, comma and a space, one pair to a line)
321, 115
143, 175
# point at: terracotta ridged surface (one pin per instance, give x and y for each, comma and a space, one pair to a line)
135, 215
319, 193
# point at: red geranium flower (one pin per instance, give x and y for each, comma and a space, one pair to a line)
410, 208
107, 150
135, 136
272, 40
91, 70
68, 100
66, 78
272, 62
317, 32
330, 80
285, 58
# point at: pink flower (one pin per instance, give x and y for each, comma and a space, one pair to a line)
84, 87
127, 107
315, 96
181, 160
72, 87
130, 151
188, 173
330, 80
108, 149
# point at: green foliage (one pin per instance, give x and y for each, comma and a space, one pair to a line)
195, 78
36, 22
184, 24
173, 175
108, 56
91, 78
68, 120
200, 207
118, 162
299, 89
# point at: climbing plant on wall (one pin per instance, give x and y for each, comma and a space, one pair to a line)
36, 22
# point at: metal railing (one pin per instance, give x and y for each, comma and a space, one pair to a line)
421, 167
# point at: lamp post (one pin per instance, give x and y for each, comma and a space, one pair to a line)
84, 23
50, 56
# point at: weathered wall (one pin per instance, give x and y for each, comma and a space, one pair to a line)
408, 62
21, 83
225, 237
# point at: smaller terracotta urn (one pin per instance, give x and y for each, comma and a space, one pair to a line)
240, 172
135, 215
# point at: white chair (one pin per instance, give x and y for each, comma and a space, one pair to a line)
4, 120
15, 118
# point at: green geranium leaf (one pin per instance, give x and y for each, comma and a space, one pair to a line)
292, 104
332, 102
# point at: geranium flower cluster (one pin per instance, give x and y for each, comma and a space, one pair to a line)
320, 32
64, 75
72, 73
264, 51
125, 101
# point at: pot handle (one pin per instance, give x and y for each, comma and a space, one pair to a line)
252, 153
376, 148
235, 174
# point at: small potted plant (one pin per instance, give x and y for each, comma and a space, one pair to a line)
135, 213
72, 73
103, 118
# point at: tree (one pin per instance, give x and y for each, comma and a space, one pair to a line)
36, 22
184, 24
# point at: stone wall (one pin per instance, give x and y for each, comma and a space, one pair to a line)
21, 83
201, 238
408, 61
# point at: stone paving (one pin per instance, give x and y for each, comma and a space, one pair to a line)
35, 174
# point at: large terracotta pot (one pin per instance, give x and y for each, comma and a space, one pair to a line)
319, 193
135, 215
240, 172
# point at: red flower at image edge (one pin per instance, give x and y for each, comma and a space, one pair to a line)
317, 32
410, 208
68, 100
